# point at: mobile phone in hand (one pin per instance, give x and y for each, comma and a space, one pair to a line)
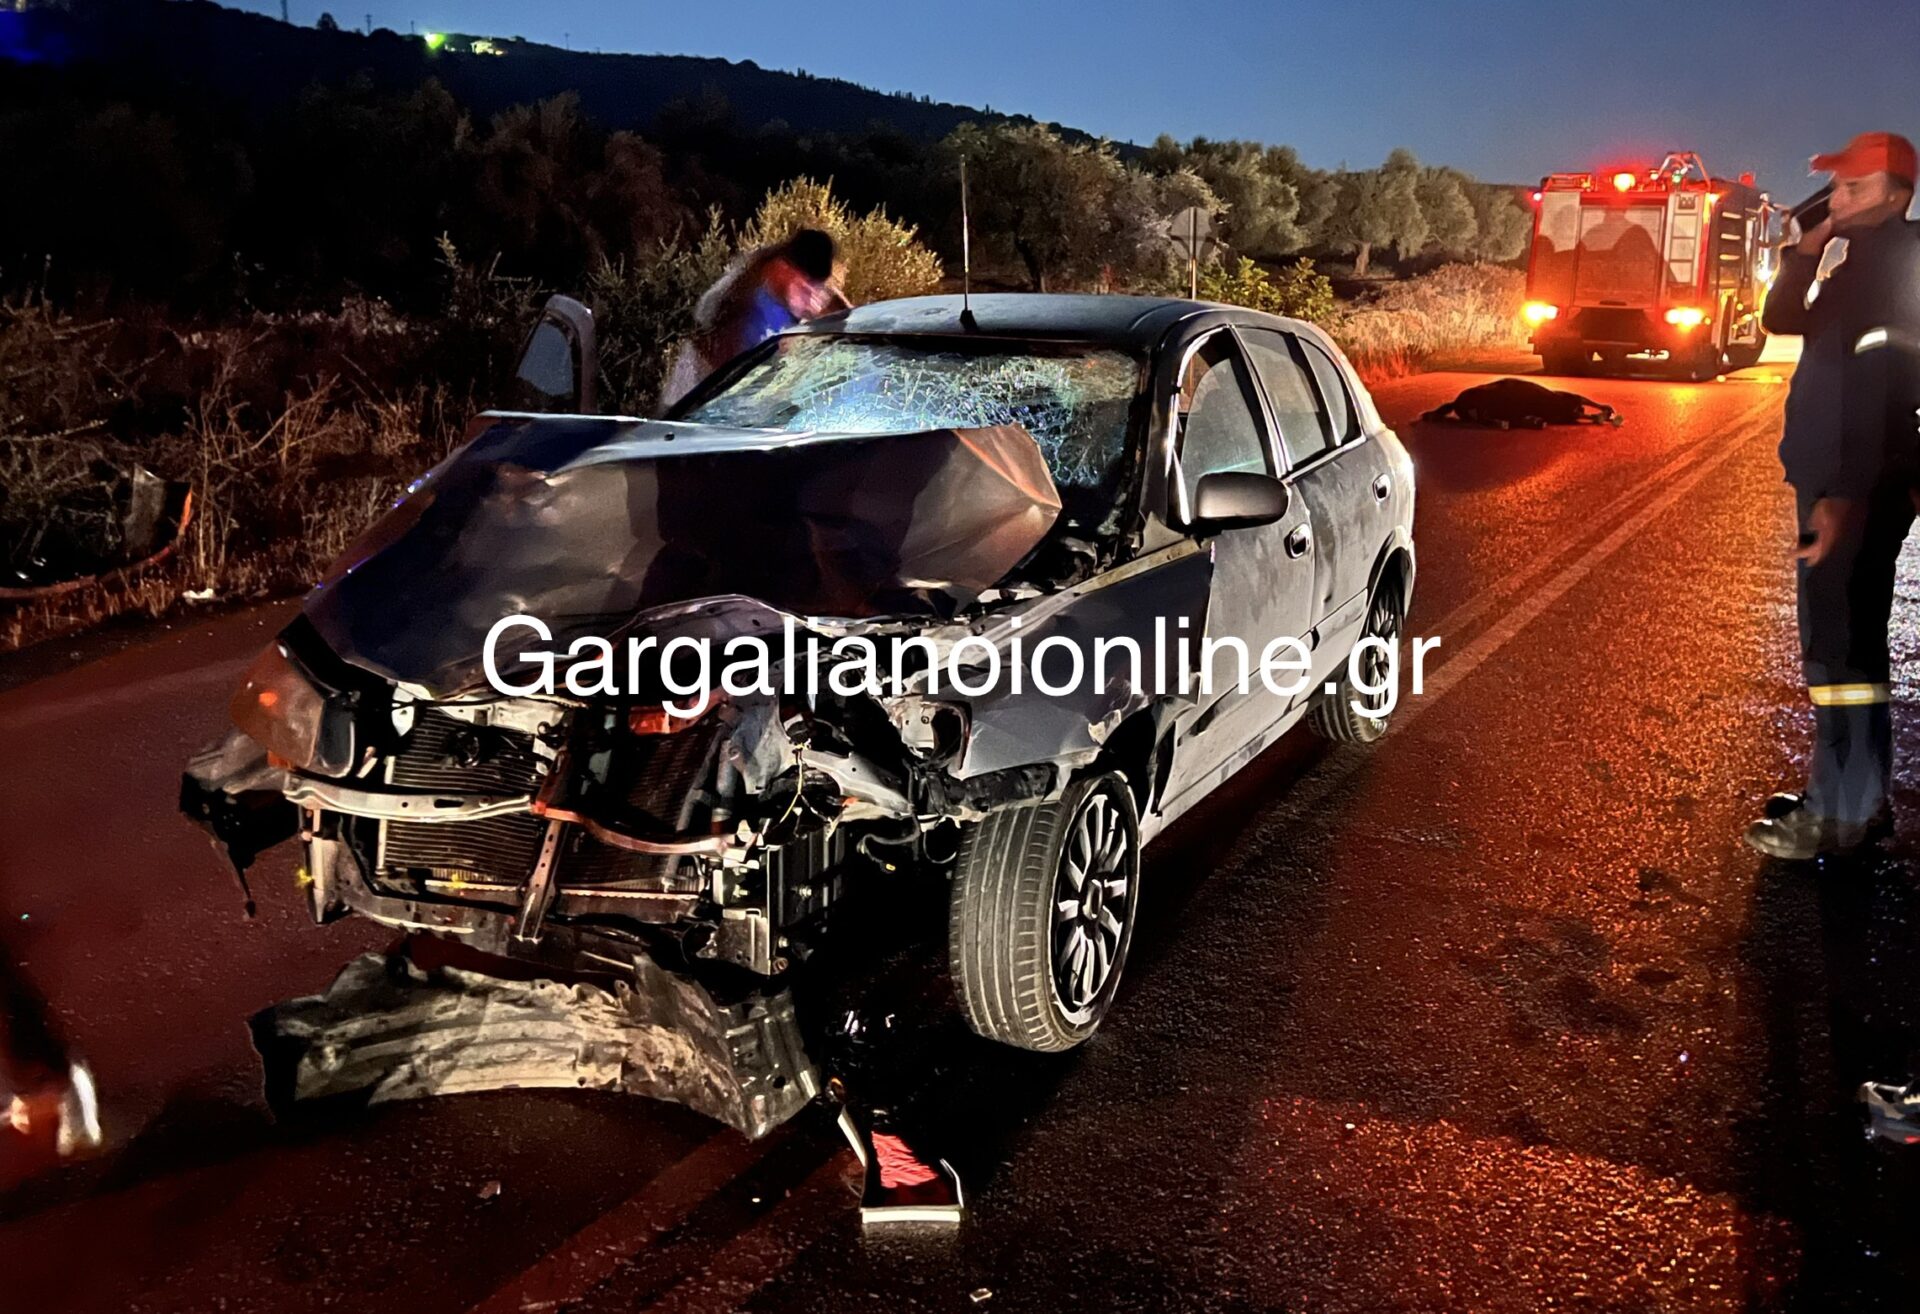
1812, 212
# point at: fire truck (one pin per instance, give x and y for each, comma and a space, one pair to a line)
1666, 264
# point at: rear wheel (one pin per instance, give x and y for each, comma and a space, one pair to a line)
1042, 914
1347, 715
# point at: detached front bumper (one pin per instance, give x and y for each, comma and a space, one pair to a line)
386, 1029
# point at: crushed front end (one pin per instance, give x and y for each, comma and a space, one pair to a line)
601, 836
609, 841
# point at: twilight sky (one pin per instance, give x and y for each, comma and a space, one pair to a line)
1504, 89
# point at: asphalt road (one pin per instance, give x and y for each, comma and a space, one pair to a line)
1495, 1015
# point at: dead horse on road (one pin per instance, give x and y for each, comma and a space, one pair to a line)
1511, 403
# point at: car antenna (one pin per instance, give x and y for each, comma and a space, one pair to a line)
967, 321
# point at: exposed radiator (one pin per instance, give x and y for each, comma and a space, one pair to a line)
443, 753
499, 848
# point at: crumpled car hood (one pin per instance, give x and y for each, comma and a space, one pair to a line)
585, 522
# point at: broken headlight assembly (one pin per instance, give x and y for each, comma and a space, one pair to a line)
933, 731
283, 709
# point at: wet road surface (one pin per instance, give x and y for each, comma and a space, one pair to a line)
1495, 1015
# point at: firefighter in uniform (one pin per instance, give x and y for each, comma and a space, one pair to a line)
1850, 452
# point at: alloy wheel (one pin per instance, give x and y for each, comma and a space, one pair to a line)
1093, 896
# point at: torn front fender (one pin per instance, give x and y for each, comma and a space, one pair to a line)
233, 792
1155, 607
388, 1030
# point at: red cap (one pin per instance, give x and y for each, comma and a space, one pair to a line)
1870, 153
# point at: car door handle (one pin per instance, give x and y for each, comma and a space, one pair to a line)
1381, 487
1300, 541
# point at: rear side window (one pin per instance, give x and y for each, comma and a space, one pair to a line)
1333, 391
1290, 395
1220, 425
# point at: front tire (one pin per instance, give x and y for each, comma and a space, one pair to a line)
1042, 913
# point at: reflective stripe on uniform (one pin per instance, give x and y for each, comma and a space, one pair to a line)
1849, 695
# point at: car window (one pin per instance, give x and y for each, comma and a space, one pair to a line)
1344, 420
1303, 426
544, 380
1220, 424
1075, 401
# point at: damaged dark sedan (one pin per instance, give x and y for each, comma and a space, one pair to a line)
1023, 474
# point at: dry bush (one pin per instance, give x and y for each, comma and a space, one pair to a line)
280, 495
54, 375
280, 486
643, 308
884, 258
1455, 308
58, 466
56, 502
1296, 290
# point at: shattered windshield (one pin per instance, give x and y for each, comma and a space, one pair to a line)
1074, 400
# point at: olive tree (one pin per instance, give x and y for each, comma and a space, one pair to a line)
1444, 204
1316, 191
1502, 226
1258, 204
1378, 208
1068, 212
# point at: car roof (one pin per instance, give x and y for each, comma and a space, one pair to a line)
1121, 320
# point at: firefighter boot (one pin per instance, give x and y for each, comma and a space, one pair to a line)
1786, 801
1799, 835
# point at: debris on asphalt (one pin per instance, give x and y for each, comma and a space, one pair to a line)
1893, 1112
980, 1295
387, 1029
490, 1191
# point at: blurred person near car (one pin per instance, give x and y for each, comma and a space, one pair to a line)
764, 291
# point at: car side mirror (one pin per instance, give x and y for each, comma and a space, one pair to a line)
1237, 499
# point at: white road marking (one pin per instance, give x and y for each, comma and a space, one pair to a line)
1311, 790
1467, 612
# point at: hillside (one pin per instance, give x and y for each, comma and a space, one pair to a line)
263, 61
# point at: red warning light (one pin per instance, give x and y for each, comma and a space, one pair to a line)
1623, 182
